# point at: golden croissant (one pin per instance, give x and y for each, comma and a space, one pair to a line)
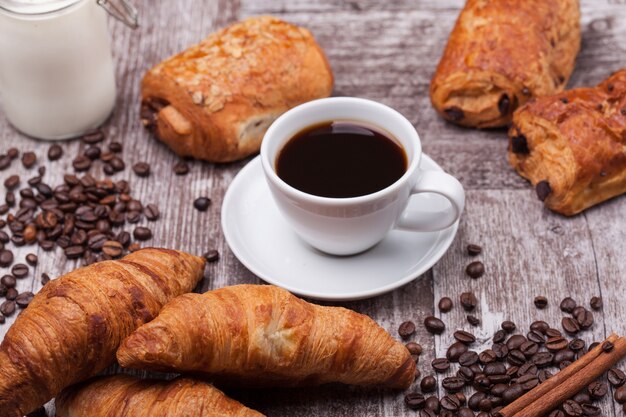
261, 335
127, 396
72, 328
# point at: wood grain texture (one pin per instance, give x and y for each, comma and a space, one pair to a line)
387, 51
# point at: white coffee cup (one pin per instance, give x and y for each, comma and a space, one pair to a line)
345, 226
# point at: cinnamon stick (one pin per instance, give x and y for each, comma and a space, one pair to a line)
565, 384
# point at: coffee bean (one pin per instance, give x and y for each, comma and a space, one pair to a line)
116, 147
468, 301
455, 350
142, 169
582, 398
616, 377
427, 413
543, 375
482, 382
81, 163
464, 337
487, 356
453, 384
445, 304
31, 259
554, 344
584, 318
93, 137
564, 355
202, 203
45, 278
508, 326
6, 257
473, 320
74, 252
590, 410
11, 294
406, 329
556, 413
450, 402
528, 381
596, 303
529, 348
93, 152
440, 364
212, 255
598, 389
24, 299
142, 233
567, 305
465, 373
428, 384
620, 395
432, 404
570, 325
541, 302
607, 346
19, 270
113, 248
500, 350
468, 358
536, 337
134, 247
107, 157
499, 336
474, 400
8, 281
414, 400
515, 341
29, 159
12, 182
7, 308
475, 269
553, 333
517, 358
117, 164
55, 152
434, 325
474, 250
181, 168
542, 359
593, 346
414, 348
494, 368
572, 408
527, 368
133, 217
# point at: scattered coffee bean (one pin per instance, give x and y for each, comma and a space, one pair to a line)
453, 384
12, 182
464, 337
473, 320
142, 169
81, 163
455, 350
151, 211
597, 389
212, 255
31, 259
24, 299
6, 257
406, 329
45, 278
415, 401
93, 152
440, 364
572, 408
584, 318
508, 326
181, 168
568, 305
576, 344
142, 233
475, 269
450, 402
8, 281
432, 404
468, 358
29, 159
93, 137
429, 384
113, 248
115, 147
620, 395
616, 377
7, 308
570, 325
474, 250
19, 270
202, 203
541, 302
607, 346
434, 325
596, 303
468, 301
445, 304
414, 348
55, 152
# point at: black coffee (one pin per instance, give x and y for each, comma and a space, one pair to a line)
340, 160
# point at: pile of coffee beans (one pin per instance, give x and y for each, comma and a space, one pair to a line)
83, 216
482, 382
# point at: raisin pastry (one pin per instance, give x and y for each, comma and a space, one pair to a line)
572, 145
500, 54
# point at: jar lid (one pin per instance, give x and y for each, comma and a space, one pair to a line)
34, 7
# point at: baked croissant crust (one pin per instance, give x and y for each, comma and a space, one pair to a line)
261, 335
127, 396
572, 146
500, 54
73, 326
215, 100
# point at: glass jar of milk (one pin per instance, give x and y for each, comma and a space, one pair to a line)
56, 70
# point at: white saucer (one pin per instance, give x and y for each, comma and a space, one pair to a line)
261, 239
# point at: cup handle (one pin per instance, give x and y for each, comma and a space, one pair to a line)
437, 182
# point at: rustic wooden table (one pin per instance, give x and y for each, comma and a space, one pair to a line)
385, 51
